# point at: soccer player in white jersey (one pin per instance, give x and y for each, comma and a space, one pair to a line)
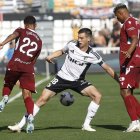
79, 57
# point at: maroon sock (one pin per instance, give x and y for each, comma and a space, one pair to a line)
137, 105
130, 106
6, 91
29, 104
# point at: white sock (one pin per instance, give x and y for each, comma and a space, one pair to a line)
5, 99
22, 122
36, 110
92, 109
24, 118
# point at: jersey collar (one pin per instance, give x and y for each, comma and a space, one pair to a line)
31, 30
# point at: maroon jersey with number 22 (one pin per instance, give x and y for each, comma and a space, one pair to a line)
27, 49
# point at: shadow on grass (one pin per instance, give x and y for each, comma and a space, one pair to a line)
47, 128
112, 127
58, 127
3, 128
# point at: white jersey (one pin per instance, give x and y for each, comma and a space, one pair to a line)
77, 62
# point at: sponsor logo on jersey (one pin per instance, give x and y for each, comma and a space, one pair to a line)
75, 61
20, 61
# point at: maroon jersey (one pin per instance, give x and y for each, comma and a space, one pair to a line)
28, 48
130, 27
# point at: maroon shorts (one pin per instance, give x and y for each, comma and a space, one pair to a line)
129, 78
27, 80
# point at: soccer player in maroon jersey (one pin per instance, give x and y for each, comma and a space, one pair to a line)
21, 66
129, 63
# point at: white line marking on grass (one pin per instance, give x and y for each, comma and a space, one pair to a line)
20, 93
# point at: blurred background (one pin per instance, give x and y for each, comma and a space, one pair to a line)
59, 22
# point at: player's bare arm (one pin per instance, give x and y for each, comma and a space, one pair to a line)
9, 39
132, 47
133, 44
110, 71
54, 55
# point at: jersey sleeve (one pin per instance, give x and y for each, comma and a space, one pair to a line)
19, 31
68, 45
101, 63
95, 58
131, 27
65, 49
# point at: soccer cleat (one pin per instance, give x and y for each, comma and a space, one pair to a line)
3, 102
15, 128
30, 125
138, 128
133, 127
88, 128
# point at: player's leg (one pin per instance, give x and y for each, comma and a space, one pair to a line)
27, 84
47, 93
95, 96
131, 109
127, 84
9, 81
137, 103
18, 127
45, 96
29, 104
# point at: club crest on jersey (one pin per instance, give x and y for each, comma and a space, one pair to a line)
85, 57
75, 61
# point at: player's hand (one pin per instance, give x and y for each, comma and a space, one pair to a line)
127, 54
48, 59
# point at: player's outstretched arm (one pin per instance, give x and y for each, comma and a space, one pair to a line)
9, 39
54, 55
110, 71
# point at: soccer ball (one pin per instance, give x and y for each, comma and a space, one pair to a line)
66, 99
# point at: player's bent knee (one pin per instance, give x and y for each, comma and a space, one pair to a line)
41, 101
126, 92
98, 97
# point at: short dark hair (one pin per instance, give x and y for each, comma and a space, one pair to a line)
29, 20
87, 31
119, 6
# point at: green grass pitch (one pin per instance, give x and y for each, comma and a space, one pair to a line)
57, 122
